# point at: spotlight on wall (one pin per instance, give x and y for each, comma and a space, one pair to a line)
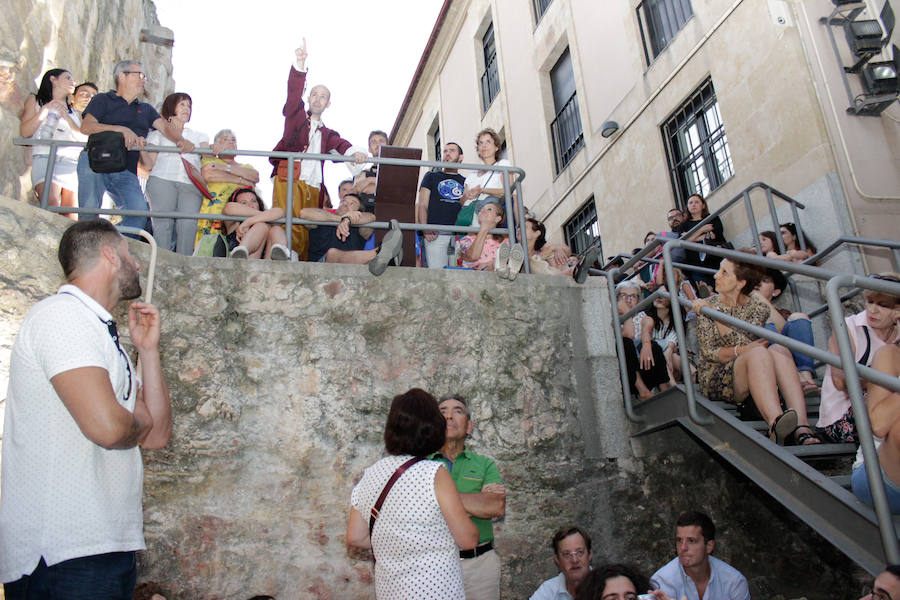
880, 78
609, 128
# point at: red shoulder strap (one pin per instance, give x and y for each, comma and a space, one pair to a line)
387, 488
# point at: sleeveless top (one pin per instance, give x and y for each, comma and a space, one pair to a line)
63, 132
416, 555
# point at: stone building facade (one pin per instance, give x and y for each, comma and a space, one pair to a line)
86, 38
751, 87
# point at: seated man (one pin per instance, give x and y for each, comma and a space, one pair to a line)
572, 554
364, 183
345, 244
886, 585
694, 574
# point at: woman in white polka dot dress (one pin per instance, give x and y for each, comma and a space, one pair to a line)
422, 523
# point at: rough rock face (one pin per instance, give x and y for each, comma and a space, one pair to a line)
281, 376
86, 38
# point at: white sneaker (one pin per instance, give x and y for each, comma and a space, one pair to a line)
280, 252
516, 259
240, 252
501, 261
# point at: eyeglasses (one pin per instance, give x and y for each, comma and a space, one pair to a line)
630, 296
114, 334
577, 554
140, 74
870, 592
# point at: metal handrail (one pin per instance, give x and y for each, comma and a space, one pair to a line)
292, 157
848, 239
844, 360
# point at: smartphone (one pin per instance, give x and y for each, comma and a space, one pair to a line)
646, 597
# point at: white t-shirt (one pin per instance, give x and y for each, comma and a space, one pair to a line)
168, 164
62, 495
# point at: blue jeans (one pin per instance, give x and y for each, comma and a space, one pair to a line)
123, 187
801, 331
100, 577
859, 483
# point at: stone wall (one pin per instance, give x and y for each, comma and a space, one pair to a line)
86, 38
281, 375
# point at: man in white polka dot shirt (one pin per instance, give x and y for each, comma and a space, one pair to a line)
76, 412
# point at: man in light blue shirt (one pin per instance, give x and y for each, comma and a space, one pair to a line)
694, 574
572, 554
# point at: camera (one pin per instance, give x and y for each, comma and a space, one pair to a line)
646, 597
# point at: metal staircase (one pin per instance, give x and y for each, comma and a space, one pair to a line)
787, 474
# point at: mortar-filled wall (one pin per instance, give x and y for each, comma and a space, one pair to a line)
281, 376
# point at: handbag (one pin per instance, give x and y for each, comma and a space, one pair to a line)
196, 178
373, 514
106, 152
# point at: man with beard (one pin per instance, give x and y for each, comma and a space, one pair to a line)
76, 411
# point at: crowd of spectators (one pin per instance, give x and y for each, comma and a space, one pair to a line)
189, 183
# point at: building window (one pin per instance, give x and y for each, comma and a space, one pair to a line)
582, 229
490, 80
436, 138
696, 146
565, 130
660, 20
540, 7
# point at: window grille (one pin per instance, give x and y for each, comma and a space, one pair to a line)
565, 130
582, 229
696, 145
490, 79
659, 21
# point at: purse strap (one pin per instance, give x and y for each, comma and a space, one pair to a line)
387, 488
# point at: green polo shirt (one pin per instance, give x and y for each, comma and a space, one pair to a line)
470, 472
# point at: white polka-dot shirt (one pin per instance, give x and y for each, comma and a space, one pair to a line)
416, 555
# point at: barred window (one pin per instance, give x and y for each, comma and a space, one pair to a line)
436, 138
696, 145
565, 130
490, 79
582, 229
660, 20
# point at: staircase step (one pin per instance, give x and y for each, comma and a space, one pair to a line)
822, 450
842, 480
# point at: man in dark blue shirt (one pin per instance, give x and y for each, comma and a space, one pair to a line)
119, 110
440, 194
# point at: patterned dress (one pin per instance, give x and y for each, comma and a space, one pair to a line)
717, 379
416, 554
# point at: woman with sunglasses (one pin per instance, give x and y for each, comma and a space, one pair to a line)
869, 330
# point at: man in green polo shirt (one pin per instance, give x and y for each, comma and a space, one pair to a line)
483, 496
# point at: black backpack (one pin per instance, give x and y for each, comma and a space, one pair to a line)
106, 152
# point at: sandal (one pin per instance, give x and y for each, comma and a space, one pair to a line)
809, 387
586, 261
805, 438
783, 427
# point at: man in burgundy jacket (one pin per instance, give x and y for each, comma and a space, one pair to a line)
305, 132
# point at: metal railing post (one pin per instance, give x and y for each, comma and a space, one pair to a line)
289, 204
523, 231
861, 416
672, 287
48, 177
620, 346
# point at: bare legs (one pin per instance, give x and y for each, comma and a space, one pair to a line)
261, 237
760, 372
58, 197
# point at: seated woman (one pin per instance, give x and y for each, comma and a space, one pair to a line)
735, 365
254, 237
479, 251
884, 413
422, 524
664, 335
223, 176
711, 234
53, 97
614, 582
796, 326
644, 359
869, 330
790, 237
546, 258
